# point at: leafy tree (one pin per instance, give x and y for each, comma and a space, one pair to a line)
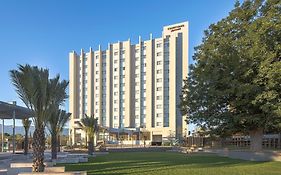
234, 85
55, 125
90, 126
38, 92
26, 124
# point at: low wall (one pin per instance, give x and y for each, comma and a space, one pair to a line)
139, 149
249, 155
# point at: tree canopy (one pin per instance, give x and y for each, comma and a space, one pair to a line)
235, 83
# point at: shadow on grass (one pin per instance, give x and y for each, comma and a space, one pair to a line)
131, 163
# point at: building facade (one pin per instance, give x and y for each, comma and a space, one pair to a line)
131, 87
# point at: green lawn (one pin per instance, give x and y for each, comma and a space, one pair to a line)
161, 163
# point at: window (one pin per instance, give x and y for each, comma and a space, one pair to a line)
158, 106
115, 93
143, 47
115, 77
97, 80
159, 53
115, 69
115, 117
115, 61
97, 87
159, 89
158, 115
115, 101
137, 75
97, 72
137, 100
137, 83
158, 80
159, 97
158, 123
137, 91
115, 53
159, 71
97, 64
137, 67
115, 85
137, 116
97, 103
115, 109
123, 68
158, 45
159, 62
137, 50
137, 108
123, 52
97, 95
97, 56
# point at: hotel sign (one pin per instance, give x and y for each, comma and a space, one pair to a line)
175, 28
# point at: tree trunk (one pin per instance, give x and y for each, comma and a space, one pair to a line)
54, 145
38, 146
26, 142
256, 137
91, 146
279, 140
58, 143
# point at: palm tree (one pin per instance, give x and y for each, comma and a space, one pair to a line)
38, 92
26, 124
90, 126
64, 119
55, 125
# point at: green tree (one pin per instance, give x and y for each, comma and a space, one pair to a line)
38, 92
90, 126
55, 125
234, 85
26, 124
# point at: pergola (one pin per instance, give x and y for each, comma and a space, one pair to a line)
12, 111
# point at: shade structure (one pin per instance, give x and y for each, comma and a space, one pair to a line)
7, 110
12, 111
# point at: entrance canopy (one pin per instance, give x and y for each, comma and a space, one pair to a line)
7, 110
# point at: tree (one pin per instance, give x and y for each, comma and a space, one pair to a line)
26, 124
234, 85
38, 92
90, 126
55, 125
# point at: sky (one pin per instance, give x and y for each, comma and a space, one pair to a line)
43, 32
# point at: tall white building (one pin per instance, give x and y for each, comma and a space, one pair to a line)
131, 88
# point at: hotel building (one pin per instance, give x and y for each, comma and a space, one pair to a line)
131, 88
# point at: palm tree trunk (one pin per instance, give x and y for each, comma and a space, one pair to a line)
54, 145
91, 146
26, 142
38, 149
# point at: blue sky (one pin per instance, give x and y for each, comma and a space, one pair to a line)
44, 32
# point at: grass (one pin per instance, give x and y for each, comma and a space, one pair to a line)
167, 163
